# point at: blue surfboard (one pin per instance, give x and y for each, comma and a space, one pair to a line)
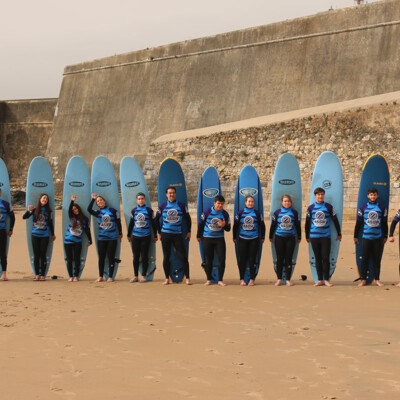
77, 183
375, 173
328, 175
40, 181
248, 183
132, 182
286, 181
6, 196
209, 187
104, 183
171, 174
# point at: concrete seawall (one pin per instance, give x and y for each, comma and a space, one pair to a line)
118, 105
25, 128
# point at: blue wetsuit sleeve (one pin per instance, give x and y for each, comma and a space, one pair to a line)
90, 208
394, 223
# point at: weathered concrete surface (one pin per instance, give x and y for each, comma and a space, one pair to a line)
353, 130
25, 128
116, 106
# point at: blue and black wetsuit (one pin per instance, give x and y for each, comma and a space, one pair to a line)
73, 241
213, 239
109, 224
318, 229
140, 229
41, 230
5, 210
372, 218
248, 229
285, 225
169, 218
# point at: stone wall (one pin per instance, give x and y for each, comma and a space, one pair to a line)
118, 105
25, 128
353, 135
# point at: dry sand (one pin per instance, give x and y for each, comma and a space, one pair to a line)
120, 340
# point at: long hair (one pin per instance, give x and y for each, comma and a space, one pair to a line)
39, 207
75, 217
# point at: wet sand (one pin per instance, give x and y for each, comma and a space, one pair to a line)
120, 340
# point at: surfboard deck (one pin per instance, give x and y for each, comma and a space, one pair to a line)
248, 183
209, 187
328, 175
132, 182
39, 181
104, 183
6, 196
286, 181
77, 183
375, 173
171, 174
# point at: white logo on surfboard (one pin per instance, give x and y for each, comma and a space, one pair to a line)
320, 219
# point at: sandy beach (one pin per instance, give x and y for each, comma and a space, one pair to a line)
120, 340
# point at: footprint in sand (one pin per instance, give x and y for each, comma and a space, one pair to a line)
215, 352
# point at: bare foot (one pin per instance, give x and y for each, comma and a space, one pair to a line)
319, 283
134, 279
42, 278
4, 277
76, 279
278, 282
188, 282
288, 283
363, 283
143, 279
99, 279
327, 283
36, 278
166, 282
243, 283
208, 283
70, 280
251, 282
398, 285
110, 279
379, 283
221, 283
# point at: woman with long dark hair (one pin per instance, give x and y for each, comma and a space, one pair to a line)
78, 224
41, 230
110, 230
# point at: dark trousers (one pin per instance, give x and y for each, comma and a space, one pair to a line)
176, 240
217, 244
3, 247
322, 248
107, 248
140, 247
248, 251
39, 245
284, 247
371, 249
73, 253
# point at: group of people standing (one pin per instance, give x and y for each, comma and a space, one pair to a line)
167, 225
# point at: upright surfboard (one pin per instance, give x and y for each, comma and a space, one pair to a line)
6, 196
248, 183
375, 173
209, 187
132, 182
77, 183
328, 175
40, 181
104, 183
171, 174
286, 181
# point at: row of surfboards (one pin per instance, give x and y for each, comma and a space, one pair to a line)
287, 180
